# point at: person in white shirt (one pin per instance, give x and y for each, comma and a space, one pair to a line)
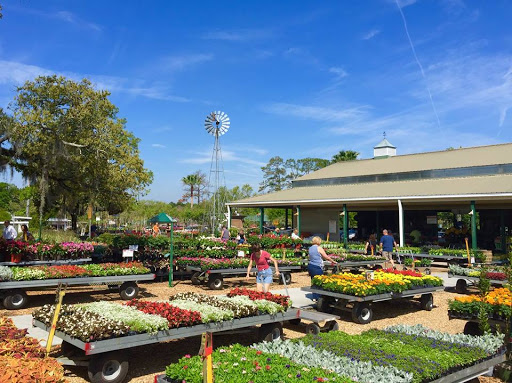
10, 232
295, 234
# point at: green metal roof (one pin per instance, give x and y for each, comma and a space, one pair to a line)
384, 144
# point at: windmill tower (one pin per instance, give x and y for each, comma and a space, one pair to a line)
216, 123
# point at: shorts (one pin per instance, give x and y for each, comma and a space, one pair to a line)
388, 255
314, 270
264, 276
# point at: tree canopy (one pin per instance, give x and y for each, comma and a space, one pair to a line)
66, 135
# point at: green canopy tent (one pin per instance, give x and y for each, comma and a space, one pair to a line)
164, 218
161, 218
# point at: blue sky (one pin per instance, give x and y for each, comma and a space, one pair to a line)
297, 78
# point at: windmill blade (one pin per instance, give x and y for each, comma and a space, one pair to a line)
217, 123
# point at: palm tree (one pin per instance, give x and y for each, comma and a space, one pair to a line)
191, 181
344, 155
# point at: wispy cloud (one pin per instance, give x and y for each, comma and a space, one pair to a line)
404, 3
71, 18
317, 112
63, 15
339, 72
370, 34
181, 62
16, 73
205, 157
238, 34
160, 146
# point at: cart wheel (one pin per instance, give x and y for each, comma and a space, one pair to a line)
194, 278
472, 328
15, 300
427, 302
417, 270
129, 290
295, 322
271, 332
428, 271
215, 282
313, 329
462, 286
324, 304
362, 313
287, 278
331, 326
108, 368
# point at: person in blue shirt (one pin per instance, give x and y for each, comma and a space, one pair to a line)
316, 253
387, 243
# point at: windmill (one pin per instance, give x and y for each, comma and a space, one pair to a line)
216, 124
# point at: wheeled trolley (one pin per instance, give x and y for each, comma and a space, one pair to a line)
106, 363
462, 282
14, 297
214, 278
361, 307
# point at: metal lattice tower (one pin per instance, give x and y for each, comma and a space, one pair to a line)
216, 123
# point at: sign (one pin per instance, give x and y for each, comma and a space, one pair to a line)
431, 219
89, 212
241, 253
133, 247
127, 253
332, 226
98, 219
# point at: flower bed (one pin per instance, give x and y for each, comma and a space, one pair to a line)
238, 363
385, 281
498, 304
104, 320
423, 262
253, 295
422, 353
72, 271
47, 251
496, 273
22, 358
227, 263
343, 257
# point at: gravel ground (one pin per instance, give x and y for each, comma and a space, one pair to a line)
149, 360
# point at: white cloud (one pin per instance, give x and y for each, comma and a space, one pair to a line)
339, 72
205, 157
158, 146
175, 63
17, 73
71, 18
404, 3
370, 34
238, 35
316, 112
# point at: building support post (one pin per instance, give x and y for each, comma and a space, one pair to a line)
473, 226
298, 220
262, 219
229, 216
345, 226
286, 218
502, 232
401, 223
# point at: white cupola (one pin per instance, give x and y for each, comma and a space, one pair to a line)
384, 149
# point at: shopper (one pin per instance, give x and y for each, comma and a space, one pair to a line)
224, 234
316, 256
295, 234
387, 244
240, 238
371, 245
264, 274
9, 232
26, 236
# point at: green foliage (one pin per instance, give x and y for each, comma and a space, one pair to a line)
484, 285
344, 155
69, 139
58, 236
274, 175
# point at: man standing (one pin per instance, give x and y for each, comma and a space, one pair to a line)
10, 232
387, 243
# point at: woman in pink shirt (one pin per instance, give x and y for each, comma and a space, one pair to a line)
264, 274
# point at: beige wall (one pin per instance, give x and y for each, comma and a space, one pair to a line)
316, 221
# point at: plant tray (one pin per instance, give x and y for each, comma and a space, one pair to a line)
175, 333
373, 298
